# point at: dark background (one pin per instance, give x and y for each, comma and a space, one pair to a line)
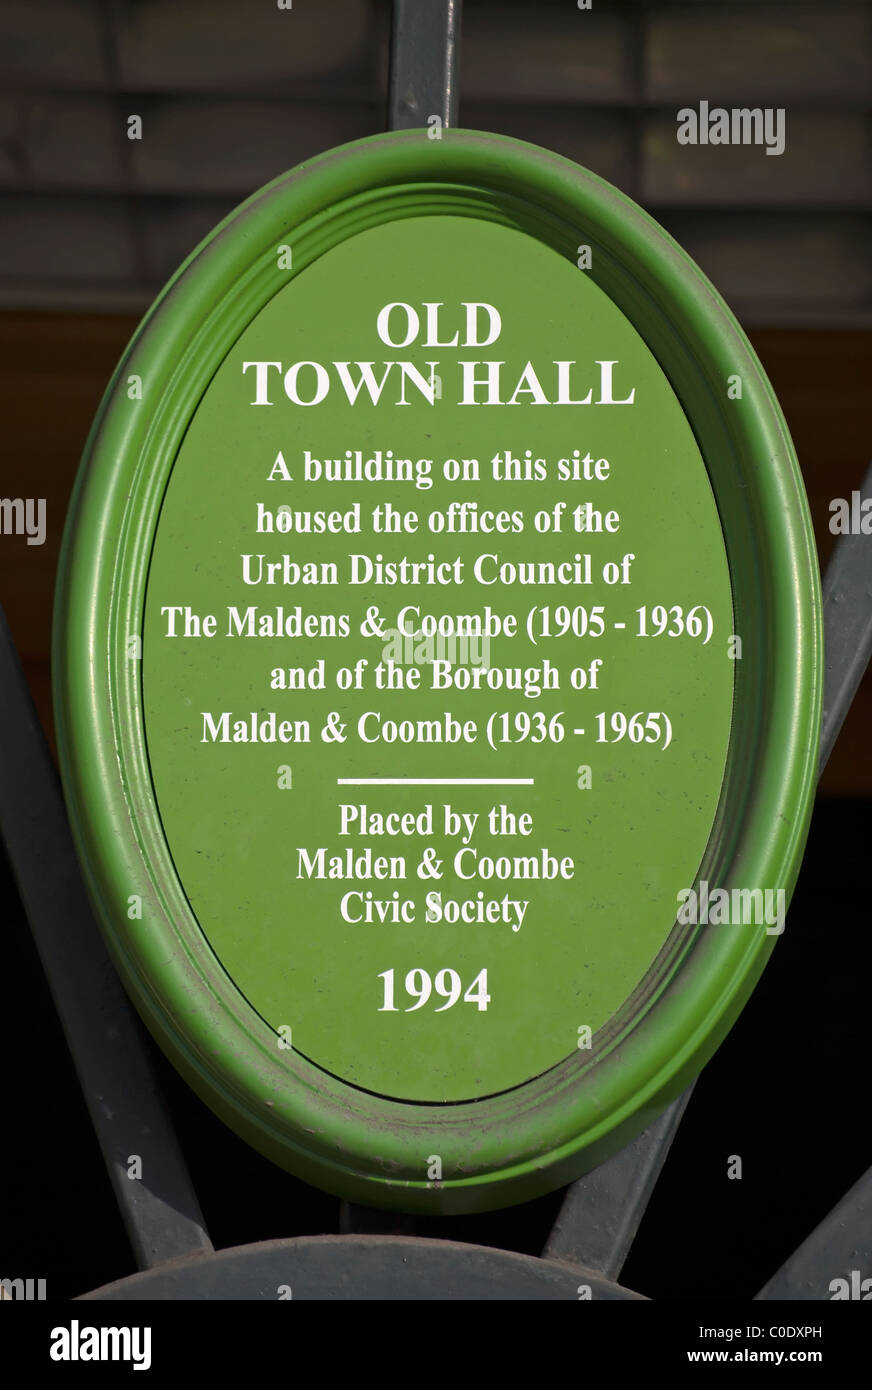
91, 225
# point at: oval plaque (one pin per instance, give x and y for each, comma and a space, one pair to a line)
438, 670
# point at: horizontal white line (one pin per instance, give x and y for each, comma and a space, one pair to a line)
435, 782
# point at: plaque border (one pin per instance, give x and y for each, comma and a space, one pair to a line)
542, 1134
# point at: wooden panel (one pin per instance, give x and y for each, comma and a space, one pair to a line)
554, 52
216, 146
824, 163
222, 45
66, 241
172, 227
56, 39
73, 141
232, 95
777, 268
602, 141
726, 52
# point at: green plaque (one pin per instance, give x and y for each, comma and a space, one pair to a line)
446, 570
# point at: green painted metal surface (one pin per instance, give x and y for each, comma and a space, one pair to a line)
586, 892
216, 715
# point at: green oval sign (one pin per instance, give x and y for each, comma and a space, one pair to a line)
437, 693
445, 565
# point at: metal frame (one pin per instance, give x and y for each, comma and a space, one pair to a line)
601, 1212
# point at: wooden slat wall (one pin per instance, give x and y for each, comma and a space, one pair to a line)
54, 368
232, 93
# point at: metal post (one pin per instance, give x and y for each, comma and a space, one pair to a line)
847, 627
108, 1045
602, 1211
425, 48
840, 1248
